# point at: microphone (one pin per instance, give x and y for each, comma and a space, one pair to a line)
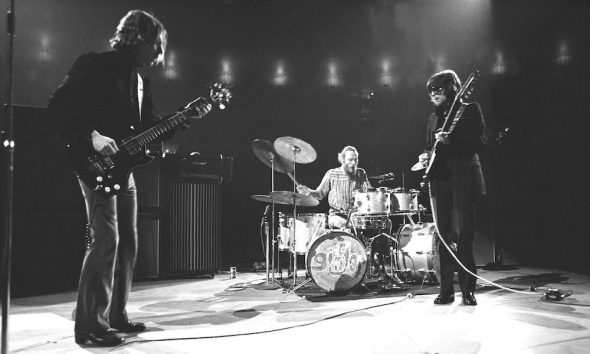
389, 175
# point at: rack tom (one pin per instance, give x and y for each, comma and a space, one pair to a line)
404, 202
372, 201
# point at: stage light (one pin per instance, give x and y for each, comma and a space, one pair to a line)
226, 76
171, 69
44, 54
333, 79
563, 53
385, 77
499, 64
280, 78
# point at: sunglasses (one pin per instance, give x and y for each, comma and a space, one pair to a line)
433, 91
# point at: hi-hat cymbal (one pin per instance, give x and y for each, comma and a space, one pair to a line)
418, 166
264, 150
261, 198
295, 150
292, 198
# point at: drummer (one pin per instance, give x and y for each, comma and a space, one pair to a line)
338, 184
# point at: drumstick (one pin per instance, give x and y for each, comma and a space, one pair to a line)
293, 179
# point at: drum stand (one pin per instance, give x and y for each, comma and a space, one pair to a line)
393, 282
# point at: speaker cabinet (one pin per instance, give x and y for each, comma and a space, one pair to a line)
147, 180
148, 253
192, 226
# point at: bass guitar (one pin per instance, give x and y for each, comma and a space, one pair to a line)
106, 174
451, 120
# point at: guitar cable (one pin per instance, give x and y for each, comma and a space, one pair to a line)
550, 294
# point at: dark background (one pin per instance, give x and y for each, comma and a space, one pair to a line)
533, 56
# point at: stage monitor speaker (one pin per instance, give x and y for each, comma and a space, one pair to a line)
148, 253
192, 226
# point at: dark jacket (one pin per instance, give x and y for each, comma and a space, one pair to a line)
100, 93
460, 157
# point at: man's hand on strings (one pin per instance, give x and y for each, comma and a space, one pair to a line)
103, 144
442, 137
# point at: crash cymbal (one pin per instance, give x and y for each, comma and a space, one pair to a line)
264, 150
261, 198
294, 150
290, 198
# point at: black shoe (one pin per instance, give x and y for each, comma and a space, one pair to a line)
129, 327
469, 299
444, 299
105, 339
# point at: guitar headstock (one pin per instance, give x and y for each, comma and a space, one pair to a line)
468, 86
220, 95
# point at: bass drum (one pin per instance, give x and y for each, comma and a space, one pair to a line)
337, 261
414, 256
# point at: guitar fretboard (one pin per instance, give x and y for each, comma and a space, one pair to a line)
164, 126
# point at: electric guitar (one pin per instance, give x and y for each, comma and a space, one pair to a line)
451, 120
107, 174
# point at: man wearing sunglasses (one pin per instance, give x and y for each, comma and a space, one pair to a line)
456, 182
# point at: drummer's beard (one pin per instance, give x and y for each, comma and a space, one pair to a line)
350, 169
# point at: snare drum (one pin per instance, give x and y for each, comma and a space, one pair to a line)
308, 227
337, 261
373, 201
404, 201
414, 253
370, 221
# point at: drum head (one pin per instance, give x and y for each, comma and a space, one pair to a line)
337, 261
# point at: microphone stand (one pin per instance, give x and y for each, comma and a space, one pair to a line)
8, 151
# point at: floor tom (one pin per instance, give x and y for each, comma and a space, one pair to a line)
297, 235
414, 255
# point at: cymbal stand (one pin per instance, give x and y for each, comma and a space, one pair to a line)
270, 285
272, 228
295, 151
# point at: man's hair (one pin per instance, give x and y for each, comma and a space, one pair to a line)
343, 152
136, 28
447, 79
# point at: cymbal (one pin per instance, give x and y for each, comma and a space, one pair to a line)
261, 198
292, 198
418, 166
295, 150
264, 150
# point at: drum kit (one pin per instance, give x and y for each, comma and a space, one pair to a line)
338, 260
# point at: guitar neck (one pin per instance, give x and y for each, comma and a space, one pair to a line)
166, 125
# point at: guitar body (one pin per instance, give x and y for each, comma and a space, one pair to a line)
106, 174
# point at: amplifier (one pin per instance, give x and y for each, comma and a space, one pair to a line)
191, 232
198, 166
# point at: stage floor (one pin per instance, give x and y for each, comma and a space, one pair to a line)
222, 315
